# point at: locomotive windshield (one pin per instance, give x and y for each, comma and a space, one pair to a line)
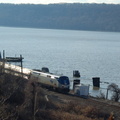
64, 80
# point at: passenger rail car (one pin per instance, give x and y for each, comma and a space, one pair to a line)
15, 70
60, 83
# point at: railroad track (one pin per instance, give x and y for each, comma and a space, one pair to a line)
106, 106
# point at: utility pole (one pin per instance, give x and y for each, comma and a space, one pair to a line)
21, 65
107, 94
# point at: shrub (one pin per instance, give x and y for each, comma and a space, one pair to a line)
116, 92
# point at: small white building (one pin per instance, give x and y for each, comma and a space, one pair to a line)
81, 90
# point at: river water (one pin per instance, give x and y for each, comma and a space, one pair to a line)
94, 54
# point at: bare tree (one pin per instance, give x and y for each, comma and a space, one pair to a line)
116, 91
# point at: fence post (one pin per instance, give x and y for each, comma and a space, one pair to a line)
3, 54
107, 94
21, 65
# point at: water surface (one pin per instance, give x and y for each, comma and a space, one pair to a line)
94, 54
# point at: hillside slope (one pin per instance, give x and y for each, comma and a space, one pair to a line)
95, 17
21, 99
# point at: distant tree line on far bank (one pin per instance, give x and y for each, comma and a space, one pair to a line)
74, 16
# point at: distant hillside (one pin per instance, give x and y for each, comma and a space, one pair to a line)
96, 17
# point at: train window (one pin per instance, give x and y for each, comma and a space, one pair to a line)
36, 73
48, 76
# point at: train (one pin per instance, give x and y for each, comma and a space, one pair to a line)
44, 77
59, 83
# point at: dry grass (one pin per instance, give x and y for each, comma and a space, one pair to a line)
17, 102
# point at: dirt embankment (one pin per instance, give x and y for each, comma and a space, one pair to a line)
21, 99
